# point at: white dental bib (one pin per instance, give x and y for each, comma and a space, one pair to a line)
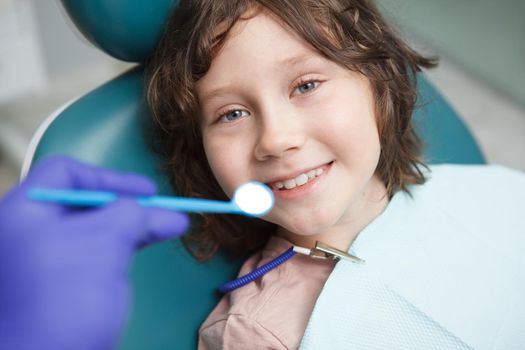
444, 269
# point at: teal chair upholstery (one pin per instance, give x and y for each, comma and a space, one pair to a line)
173, 293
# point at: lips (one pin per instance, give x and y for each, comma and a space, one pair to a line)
299, 178
304, 190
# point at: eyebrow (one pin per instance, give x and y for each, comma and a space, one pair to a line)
296, 60
287, 62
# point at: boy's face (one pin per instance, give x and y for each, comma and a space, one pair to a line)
272, 109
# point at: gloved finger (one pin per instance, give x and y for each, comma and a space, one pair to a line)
163, 224
132, 224
65, 172
121, 216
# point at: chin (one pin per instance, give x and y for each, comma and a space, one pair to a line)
309, 219
309, 225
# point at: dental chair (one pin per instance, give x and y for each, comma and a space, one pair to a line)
172, 293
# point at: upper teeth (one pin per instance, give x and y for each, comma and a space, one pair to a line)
297, 181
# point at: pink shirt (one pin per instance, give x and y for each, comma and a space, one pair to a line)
271, 312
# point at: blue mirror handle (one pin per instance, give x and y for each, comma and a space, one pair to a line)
190, 204
99, 198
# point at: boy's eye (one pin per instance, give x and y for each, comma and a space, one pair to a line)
232, 115
305, 87
300, 89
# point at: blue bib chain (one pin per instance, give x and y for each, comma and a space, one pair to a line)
255, 274
321, 251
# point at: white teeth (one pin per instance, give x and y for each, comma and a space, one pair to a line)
298, 181
301, 179
289, 184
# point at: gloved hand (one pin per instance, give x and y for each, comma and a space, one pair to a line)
63, 271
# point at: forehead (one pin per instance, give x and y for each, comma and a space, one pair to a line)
259, 43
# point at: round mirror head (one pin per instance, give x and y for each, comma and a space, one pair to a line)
254, 198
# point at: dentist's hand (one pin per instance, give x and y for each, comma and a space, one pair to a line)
64, 271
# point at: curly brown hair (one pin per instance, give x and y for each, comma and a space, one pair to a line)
349, 32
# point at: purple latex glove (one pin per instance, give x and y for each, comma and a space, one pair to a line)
64, 271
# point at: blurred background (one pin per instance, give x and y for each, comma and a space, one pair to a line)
45, 62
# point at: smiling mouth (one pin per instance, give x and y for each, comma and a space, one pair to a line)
300, 180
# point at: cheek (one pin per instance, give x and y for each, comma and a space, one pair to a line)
346, 110
351, 129
350, 133
225, 162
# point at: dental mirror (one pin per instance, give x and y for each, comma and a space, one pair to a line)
254, 198
251, 199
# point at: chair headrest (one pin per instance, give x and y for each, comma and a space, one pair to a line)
125, 29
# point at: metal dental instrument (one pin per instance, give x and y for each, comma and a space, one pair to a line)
251, 199
324, 251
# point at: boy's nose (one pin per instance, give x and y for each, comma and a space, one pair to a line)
279, 134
